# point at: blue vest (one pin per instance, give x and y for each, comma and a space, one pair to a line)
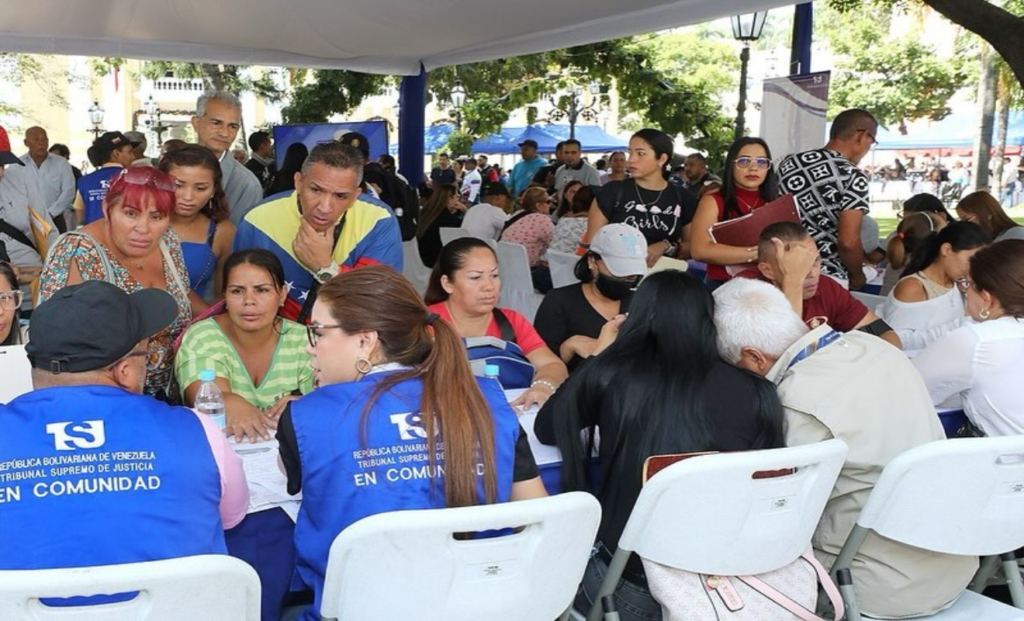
93, 188
95, 475
345, 480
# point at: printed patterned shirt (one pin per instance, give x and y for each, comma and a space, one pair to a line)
824, 184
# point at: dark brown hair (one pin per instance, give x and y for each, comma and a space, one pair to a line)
14, 336
452, 259
452, 405
989, 214
198, 156
436, 204
999, 269
913, 230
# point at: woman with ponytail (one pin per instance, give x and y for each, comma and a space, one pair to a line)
925, 303
393, 383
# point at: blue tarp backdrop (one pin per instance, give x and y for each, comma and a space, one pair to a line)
312, 134
956, 131
591, 137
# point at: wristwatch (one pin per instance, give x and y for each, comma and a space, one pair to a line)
324, 274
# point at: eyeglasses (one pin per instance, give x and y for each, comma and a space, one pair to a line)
154, 357
869, 135
10, 301
963, 284
746, 162
313, 335
147, 175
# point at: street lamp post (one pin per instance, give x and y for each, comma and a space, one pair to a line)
153, 110
96, 118
575, 108
458, 100
745, 28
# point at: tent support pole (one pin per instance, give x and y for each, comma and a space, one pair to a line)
411, 124
803, 36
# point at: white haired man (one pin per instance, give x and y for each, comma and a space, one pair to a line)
858, 388
217, 121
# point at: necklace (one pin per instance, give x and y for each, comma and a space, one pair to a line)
750, 207
641, 199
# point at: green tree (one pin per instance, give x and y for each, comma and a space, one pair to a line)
326, 92
16, 69
897, 77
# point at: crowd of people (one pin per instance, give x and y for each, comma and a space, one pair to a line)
147, 275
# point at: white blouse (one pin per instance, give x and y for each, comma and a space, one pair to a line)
919, 324
982, 363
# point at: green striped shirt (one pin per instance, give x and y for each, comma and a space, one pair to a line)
206, 346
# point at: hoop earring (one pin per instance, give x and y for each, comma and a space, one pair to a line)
363, 365
984, 313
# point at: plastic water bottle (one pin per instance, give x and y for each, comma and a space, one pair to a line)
492, 371
210, 401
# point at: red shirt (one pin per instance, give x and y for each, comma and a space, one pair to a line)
831, 304
526, 336
746, 202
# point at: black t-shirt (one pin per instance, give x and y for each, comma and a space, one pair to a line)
564, 313
429, 243
442, 175
524, 467
728, 392
658, 215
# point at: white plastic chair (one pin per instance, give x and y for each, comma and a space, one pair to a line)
972, 493
563, 268
195, 587
412, 266
870, 300
517, 290
708, 514
449, 233
407, 565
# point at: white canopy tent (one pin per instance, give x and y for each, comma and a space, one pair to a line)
373, 36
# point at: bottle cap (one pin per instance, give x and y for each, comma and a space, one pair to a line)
491, 370
207, 375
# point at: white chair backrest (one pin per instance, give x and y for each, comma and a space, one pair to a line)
15, 372
563, 267
407, 565
517, 290
412, 266
194, 587
449, 233
960, 496
709, 514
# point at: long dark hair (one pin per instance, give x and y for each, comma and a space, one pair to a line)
928, 203
653, 377
452, 259
294, 156
959, 235
198, 156
566, 205
988, 213
660, 142
14, 336
436, 204
452, 407
769, 189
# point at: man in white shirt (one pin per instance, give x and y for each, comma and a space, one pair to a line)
866, 392
485, 220
471, 181
52, 175
217, 121
574, 168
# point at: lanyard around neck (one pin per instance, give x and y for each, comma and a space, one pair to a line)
809, 351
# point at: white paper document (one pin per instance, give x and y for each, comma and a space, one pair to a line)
268, 486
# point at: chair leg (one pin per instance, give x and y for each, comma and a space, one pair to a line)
611, 579
988, 568
1013, 579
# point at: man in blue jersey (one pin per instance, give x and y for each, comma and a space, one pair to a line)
326, 226
93, 472
110, 153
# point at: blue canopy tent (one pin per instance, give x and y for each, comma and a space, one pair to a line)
592, 137
434, 138
955, 132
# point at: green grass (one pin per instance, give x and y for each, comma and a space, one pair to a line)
887, 225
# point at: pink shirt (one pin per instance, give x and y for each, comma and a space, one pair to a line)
234, 490
534, 232
526, 335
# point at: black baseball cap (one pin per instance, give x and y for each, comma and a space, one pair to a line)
528, 143
357, 140
94, 324
496, 188
105, 144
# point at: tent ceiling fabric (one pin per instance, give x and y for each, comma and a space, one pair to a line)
373, 36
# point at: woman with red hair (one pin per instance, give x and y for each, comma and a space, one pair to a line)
133, 248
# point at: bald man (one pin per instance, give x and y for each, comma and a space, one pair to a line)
52, 177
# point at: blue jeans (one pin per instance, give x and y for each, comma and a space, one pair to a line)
634, 601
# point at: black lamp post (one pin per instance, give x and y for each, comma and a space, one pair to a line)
745, 28
458, 100
96, 118
153, 110
575, 109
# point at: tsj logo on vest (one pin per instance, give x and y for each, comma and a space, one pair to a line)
68, 436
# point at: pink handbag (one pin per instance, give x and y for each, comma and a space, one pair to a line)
787, 593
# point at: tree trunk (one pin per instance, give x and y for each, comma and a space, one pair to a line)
1002, 122
996, 25
986, 112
